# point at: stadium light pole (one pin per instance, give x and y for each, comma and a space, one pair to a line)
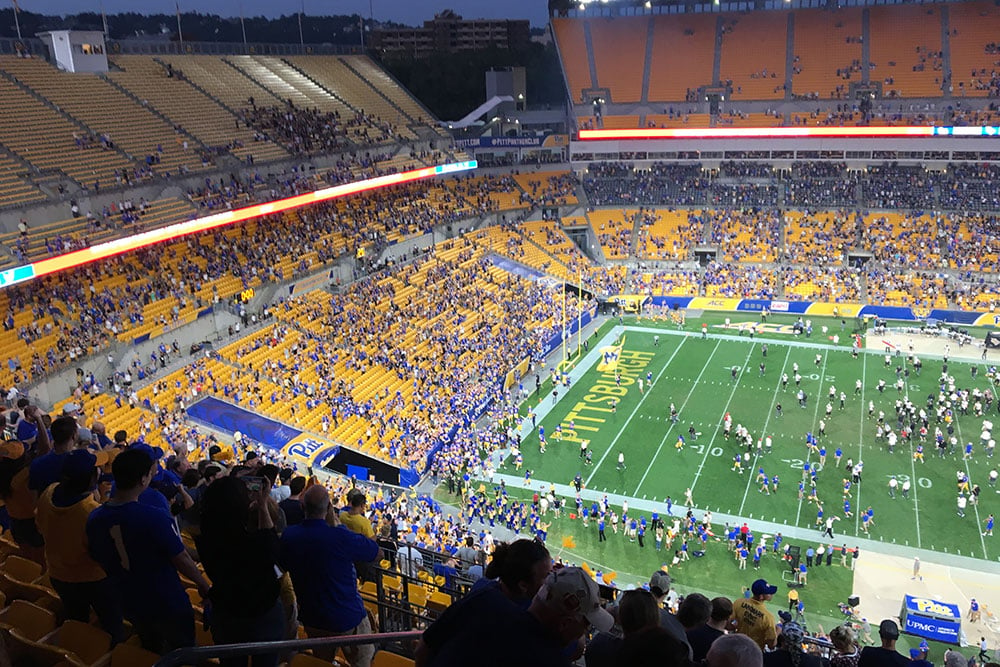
243, 25
180, 34
17, 21
104, 21
302, 10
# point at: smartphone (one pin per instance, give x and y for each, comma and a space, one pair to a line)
254, 484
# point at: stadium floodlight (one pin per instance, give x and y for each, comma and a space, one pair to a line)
24, 273
908, 131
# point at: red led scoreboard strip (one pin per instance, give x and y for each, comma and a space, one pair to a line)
44, 267
902, 131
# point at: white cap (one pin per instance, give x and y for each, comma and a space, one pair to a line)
572, 591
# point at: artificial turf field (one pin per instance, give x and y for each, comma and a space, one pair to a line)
695, 374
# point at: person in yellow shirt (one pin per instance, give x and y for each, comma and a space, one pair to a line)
793, 599
354, 516
752, 616
61, 515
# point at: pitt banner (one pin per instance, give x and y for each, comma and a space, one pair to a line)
309, 450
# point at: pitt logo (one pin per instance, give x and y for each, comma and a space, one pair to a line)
305, 449
930, 607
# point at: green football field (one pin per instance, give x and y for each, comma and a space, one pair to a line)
695, 374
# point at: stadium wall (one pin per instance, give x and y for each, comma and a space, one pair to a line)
822, 308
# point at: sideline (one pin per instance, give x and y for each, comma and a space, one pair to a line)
769, 527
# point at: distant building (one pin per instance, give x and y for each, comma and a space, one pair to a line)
450, 33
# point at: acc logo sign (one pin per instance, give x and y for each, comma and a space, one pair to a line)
931, 607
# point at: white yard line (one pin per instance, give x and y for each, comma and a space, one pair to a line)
708, 450
968, 472
635, 410
913, 478
819, 393
861, 433
763, 434
681, 410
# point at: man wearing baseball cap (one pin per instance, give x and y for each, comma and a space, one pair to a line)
659, 586
566, 606
885, 655
752, 616
62, 513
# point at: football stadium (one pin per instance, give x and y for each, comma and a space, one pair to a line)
686, 354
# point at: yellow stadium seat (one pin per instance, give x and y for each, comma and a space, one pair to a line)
387, 659
306, 660
87, 643
14, 589
27, 619
24, 651
21, 568
128, 655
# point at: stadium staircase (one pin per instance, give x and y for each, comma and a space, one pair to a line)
156, 112
277, 75
789, 57
717, 58
591, 62
331, 74
379, 91
75, 122
866, 46
633, 246
394, 91
647, 65
199, 88
946, 84
254, 81
17, 182
593, 241
298, 70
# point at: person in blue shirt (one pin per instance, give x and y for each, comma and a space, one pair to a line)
319, 555
447, 569
46, 469
26, 431
141, 551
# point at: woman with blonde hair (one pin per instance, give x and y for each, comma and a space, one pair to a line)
845, 641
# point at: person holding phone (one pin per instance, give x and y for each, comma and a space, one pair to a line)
319, 554
239, 548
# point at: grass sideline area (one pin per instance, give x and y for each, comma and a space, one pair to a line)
696, 375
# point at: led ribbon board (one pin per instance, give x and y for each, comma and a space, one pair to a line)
44, 267
901, 131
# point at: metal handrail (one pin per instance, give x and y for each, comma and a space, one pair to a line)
194, 655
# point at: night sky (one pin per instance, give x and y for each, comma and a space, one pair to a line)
411, 12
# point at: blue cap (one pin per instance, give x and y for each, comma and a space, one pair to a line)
78, 463
155, 453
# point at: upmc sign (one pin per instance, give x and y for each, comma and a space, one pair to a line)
931, 619
932, 628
